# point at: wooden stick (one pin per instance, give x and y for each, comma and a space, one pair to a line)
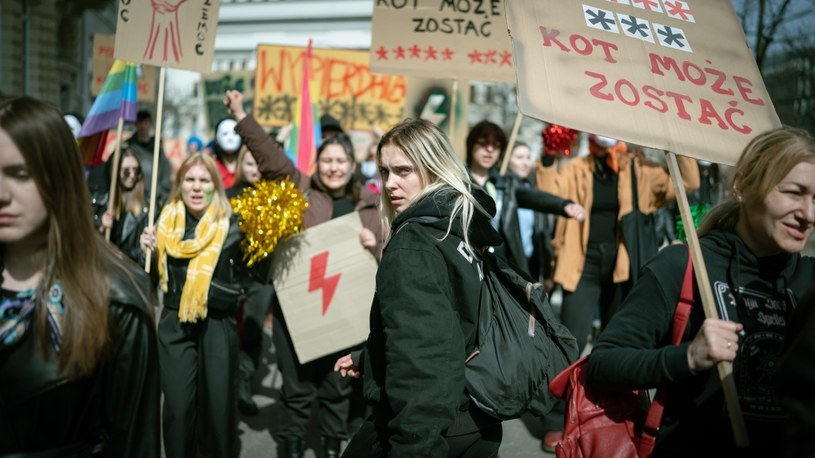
512, 137
156, 151
114, 179
725, 368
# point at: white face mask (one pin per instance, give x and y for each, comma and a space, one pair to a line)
74, 124
227, 138
605, 142
367, 169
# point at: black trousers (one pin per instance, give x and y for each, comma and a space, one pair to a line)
482, 442
257, 303
596, 286
198, 366
303, 383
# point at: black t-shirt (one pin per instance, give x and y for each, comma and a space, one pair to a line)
605, 206
342, 207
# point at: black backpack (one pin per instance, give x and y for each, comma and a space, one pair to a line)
520, 345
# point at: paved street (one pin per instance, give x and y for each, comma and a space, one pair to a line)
521, 437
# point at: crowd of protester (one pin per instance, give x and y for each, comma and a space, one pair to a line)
99, 358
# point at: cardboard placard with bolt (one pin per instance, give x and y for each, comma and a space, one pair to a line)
325, 282
667, 74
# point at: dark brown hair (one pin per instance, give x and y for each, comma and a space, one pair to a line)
76, 255
488, 132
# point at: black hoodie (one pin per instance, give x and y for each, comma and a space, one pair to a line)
634, 349
422, 324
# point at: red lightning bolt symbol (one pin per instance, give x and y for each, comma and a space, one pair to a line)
317, 279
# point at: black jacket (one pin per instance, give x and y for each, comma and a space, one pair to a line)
795, 379
634, 350
513, 193
229, 278
117, 406
422, 324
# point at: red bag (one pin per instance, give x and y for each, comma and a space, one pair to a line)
614, 424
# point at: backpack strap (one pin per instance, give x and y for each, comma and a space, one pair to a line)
680, 322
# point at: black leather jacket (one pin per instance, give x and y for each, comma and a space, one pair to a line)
113, 412
513, 194
228, 280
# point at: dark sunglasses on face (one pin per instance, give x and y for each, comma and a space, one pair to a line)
130, 171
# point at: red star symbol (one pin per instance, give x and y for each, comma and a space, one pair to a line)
415, 51
448, 54
474, 56
678, 9
489, 56
506, 59
400, 52
649, 5
381, 53
430, 53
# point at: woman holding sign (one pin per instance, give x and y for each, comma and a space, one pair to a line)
200, 269
425, 309
331, 192
752, 245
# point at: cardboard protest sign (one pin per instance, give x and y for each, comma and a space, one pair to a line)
175, 150
668, 74
168, 33
102, 62
215, 86
325, 281
456, 39
431, 99
347, 89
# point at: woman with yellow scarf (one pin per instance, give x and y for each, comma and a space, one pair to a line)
202, 275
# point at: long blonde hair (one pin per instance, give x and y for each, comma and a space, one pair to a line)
438, 166
765, 161
222, 207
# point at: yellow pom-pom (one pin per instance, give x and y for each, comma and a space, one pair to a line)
269, 211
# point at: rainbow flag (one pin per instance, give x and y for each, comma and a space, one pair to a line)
305, 134
116, 99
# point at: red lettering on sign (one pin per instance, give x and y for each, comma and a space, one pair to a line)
679, 105
579, 43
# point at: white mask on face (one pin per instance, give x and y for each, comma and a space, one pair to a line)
605, 142
74, 124
367, 169
227, 138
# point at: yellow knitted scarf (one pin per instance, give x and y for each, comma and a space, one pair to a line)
202, 251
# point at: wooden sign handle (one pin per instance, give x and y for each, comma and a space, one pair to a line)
725, 368
114, 178
513, 136
156, 151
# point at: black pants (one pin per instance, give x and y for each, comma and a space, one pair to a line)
257, 304
483, 442
198, 366
303, 383
596, 286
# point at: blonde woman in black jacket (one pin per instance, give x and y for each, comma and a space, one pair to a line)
425, 308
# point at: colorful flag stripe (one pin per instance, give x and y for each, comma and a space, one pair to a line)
117, 98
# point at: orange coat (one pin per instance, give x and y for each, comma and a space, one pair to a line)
574, 182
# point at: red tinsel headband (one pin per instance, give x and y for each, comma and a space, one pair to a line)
558, 139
